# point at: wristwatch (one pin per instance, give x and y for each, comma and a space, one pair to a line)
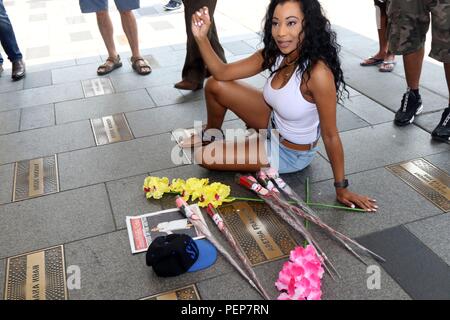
341, 184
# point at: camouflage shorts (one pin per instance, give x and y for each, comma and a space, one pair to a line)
408, 25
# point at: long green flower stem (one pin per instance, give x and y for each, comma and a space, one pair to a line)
319, 205
309, 204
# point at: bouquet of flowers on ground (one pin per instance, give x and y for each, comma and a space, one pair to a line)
194, 188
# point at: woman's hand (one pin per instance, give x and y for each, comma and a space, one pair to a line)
351, 199
201, 21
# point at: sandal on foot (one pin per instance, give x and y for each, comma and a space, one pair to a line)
110, 65
371, 61
143, 68
194, 139
387, 66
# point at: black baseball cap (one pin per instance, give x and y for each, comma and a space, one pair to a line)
176, 254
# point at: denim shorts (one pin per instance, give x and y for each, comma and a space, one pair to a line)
284, 159
88, 6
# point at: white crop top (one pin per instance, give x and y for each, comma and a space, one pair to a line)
296, 119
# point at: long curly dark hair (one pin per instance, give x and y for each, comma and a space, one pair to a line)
319, 43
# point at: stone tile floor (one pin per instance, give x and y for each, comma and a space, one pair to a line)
48, 113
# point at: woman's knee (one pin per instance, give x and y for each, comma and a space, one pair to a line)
213, 86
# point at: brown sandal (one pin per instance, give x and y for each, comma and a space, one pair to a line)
110, 65
141, 68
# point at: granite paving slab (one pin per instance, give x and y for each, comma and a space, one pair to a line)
227, 287
110, 271
45, 141
158, 77
441, 160
80, 72
38, 52
418, 270
386, 89
128, 199
347, 120
51, 66
89, 60
166, 95
383, 144
6, 178
37, 117
9, 121
433, 232
169, 118
352, 285
101, 106
432, 76
38, 79
7, 85
398, 203
238, 47
429, 121
53, 220
115, 161
369, 110
40, 96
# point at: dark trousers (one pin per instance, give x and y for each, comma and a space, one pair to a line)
194, 69
7, 37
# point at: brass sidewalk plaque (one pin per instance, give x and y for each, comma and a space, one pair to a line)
258, 231
186, 293
111, 129
427, 179
37, 275
34, 178
97, 87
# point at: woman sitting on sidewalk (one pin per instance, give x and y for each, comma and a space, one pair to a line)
299, 98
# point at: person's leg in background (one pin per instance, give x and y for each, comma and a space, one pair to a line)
194, 70
388, 63
383, 57
129, 25
105, 26
9, 43
414, 17
1, 64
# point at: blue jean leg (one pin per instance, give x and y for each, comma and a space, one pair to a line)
7, 36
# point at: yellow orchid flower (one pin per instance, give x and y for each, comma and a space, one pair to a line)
177, 185
155, 187
193, 188
216, 194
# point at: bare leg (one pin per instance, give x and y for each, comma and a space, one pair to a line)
382, 36
249, 105
106, 30
129, 26
413, 68
245, 101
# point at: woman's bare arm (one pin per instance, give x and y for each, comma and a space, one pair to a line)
244, 68
323, 90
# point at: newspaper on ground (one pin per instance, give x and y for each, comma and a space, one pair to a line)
144, 228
